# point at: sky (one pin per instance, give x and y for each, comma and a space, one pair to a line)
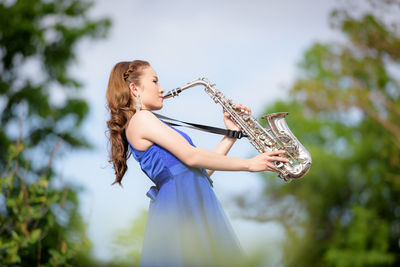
249, 49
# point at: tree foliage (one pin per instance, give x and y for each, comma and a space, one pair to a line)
39, 220
345, 109
40, 225
37, 45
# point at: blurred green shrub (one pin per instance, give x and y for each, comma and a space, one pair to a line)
39, 224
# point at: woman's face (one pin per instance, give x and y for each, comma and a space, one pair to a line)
150, 90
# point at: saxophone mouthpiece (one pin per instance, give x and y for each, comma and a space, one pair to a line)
167, 95
172, 93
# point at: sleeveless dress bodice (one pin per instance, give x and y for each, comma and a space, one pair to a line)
186, 225
160, 165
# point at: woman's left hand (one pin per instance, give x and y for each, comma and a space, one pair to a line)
229, 124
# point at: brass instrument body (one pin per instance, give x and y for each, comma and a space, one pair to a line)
276, 137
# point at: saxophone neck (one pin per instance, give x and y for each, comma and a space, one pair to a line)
177, 91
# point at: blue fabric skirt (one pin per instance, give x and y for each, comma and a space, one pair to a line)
186, 225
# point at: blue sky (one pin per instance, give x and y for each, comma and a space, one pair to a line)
248, 48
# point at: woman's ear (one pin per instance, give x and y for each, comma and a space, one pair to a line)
133, 89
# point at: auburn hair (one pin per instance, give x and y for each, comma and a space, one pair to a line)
120, 104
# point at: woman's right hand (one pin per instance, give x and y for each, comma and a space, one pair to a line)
264, 161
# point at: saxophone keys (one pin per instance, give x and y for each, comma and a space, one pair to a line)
278, 164
268, 144
291, 149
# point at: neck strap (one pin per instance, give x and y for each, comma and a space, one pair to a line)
205, 128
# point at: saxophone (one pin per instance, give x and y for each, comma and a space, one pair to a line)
277, 135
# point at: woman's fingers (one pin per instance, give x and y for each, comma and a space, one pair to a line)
271, 159
272, 167
279, 159
243, 108
265, 162
275, 152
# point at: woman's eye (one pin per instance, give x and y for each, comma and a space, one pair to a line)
155, 81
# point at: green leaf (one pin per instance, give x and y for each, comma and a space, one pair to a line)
15, 235
11, 202
35, 234
44, 182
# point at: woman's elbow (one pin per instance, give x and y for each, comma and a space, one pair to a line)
191, 157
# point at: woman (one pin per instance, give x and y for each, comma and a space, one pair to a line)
186, 226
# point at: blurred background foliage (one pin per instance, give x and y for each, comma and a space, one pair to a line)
39, 220
127, 243
345, 108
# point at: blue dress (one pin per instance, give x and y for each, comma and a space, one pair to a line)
186, 225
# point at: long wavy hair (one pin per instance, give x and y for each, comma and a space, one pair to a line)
120, 104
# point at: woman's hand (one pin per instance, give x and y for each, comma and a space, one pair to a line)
229, 124
264, 161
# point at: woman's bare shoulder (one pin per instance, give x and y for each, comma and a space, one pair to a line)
142, 119
138, 123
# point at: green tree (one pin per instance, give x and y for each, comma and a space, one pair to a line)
345, 108
39, 219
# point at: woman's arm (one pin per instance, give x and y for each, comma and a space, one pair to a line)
226, 143
222, 148
145, 125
